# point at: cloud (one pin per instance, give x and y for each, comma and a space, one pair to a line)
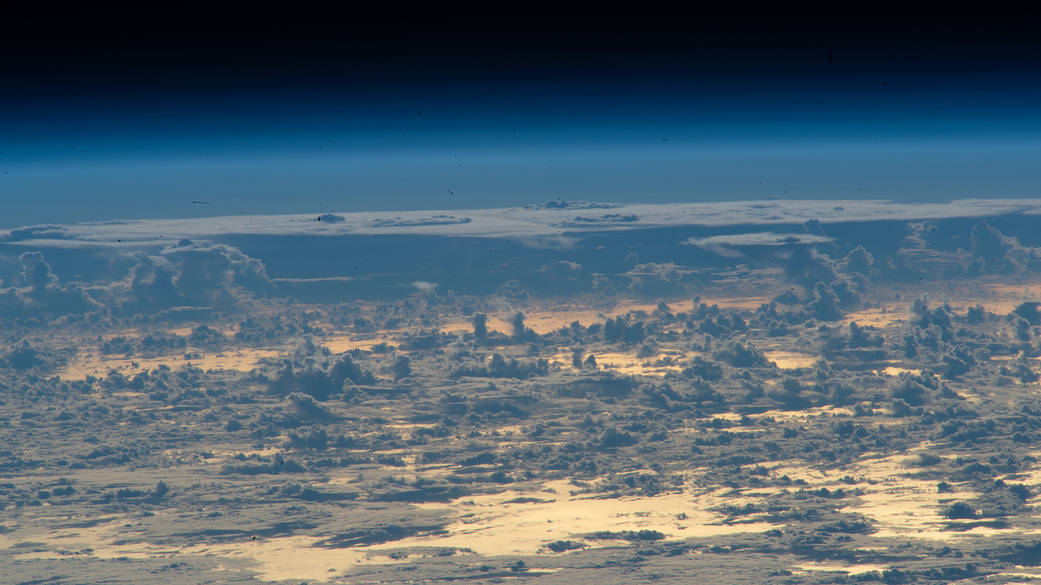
726, 245
535, 222
659, 278
758, 239
562, 268
407, 222
316, 374
549, 243
191, 274
807, 266
42, 293
993, 251
825, 303
858, 261
36, 272
630, 248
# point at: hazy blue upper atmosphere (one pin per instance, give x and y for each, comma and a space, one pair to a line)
710, 124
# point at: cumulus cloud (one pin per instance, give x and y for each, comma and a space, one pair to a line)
562, 268
42, 293
191, 274
315, 372
858, 261
825, 303
36, 272
560, 277
993, 251
807, 266
658, 278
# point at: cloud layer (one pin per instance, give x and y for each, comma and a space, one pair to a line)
831, 250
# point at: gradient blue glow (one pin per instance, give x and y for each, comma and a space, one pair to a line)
117, 157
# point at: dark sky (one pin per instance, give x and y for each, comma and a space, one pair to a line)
131, 115
85, 49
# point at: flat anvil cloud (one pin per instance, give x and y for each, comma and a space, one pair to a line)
532, 223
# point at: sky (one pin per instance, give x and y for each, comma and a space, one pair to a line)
309, 117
